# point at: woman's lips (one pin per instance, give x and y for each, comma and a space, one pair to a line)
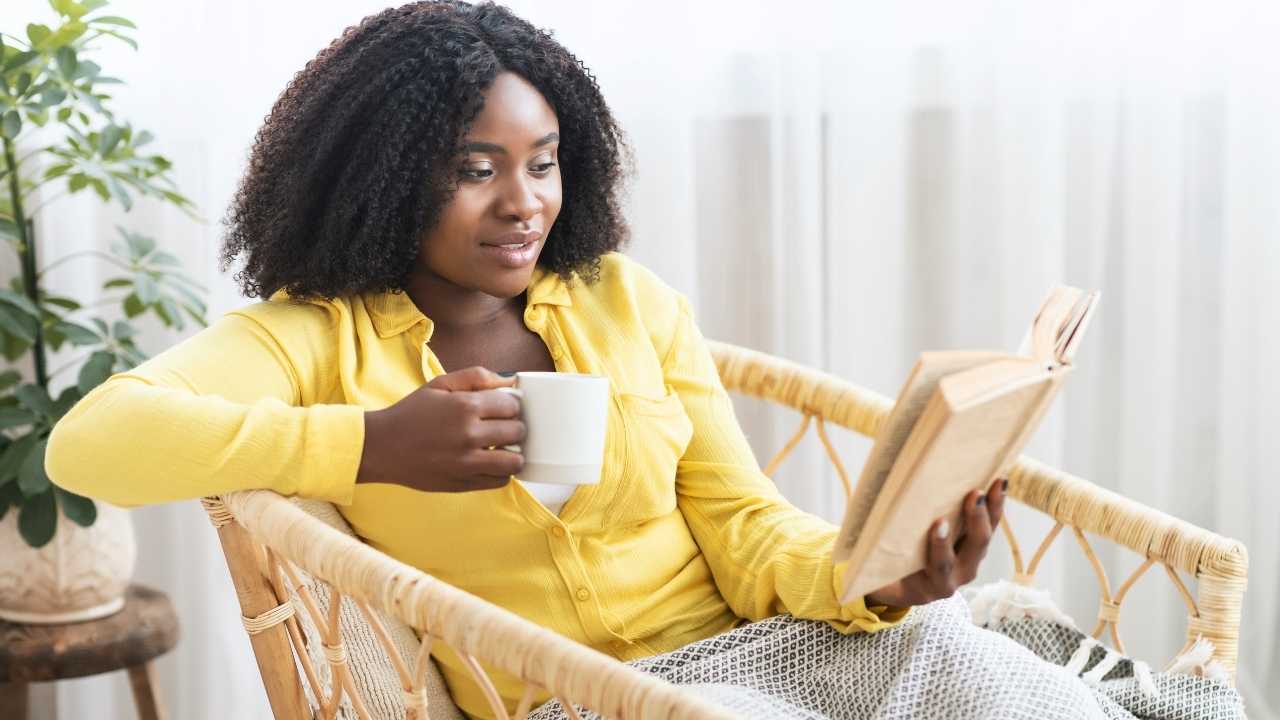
515, 250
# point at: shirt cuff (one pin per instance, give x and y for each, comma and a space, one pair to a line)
330, 458
857, 615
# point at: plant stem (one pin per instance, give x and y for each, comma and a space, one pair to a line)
80, 253
71, 364
27, 253
42, 205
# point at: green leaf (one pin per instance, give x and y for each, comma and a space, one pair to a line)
32, 479
62, 302
12, 346
67, 400
64, 114
66, 34
119, 193
37, 34
10, 496
133, 307
21, 301
197, 315
53, 338
38, 518
52, 96
161, 257
96, 371
87, 69
17, 323
35, 398
117, 282
147, 289
66, 57
113, 20
139, 245
23, 84
14, 62
38, 117
11, 124
9, 378
78, 334
168, 311
122, 330
110, 138
143, 138
15, 417
124, 38
91, 5
102, 327
14, 455
193, 300
78, 508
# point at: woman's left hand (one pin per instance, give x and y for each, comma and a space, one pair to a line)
950, 562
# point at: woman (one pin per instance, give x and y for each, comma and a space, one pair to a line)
439, 190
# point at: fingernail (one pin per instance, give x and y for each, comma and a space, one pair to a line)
1004, 484
944, 527
982, 500
509, 373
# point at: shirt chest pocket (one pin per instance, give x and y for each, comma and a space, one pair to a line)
656, 431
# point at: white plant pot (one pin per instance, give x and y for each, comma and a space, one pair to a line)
81, 574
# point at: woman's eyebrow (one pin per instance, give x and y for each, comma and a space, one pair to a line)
486, 147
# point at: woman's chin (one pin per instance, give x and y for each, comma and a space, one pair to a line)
510, 285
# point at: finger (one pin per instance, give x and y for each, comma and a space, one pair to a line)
491, 434
472, 378
496, 462
977, 535
995, 501
941, 562
494, 404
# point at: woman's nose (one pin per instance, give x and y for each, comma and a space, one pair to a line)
520, 201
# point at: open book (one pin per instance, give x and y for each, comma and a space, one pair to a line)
959, 423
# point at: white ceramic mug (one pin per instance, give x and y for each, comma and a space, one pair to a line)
565, 417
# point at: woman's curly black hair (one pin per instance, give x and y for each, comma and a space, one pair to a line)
359, 155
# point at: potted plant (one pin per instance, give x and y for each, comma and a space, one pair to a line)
64, 557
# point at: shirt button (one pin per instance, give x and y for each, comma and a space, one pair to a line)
557, 531
583, 594
556, 353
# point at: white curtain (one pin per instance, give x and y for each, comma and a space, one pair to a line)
846, 185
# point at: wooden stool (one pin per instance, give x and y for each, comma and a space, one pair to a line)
145, 629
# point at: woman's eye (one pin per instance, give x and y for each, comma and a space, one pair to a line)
476, 173
543, 168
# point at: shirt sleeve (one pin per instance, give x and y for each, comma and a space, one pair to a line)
216, 413
766, 555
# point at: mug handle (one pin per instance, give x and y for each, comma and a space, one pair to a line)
519, 396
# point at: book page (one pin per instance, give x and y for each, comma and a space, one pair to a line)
958, 421
912, 399
956, 448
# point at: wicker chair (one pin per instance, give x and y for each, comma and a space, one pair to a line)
288, 564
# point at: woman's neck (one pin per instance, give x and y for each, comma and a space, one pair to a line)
457, 310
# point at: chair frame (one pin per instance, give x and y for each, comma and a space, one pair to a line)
266, 539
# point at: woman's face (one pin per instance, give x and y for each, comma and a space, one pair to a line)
508, 196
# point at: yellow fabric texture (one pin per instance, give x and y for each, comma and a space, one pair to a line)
683, 537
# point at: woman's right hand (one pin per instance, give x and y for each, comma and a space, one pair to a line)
438, 437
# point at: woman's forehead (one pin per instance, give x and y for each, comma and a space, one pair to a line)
515, 115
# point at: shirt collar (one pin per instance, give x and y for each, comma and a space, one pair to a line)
394, 312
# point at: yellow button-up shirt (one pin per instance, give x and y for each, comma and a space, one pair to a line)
682, 538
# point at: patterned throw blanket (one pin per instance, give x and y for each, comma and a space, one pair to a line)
937, 664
